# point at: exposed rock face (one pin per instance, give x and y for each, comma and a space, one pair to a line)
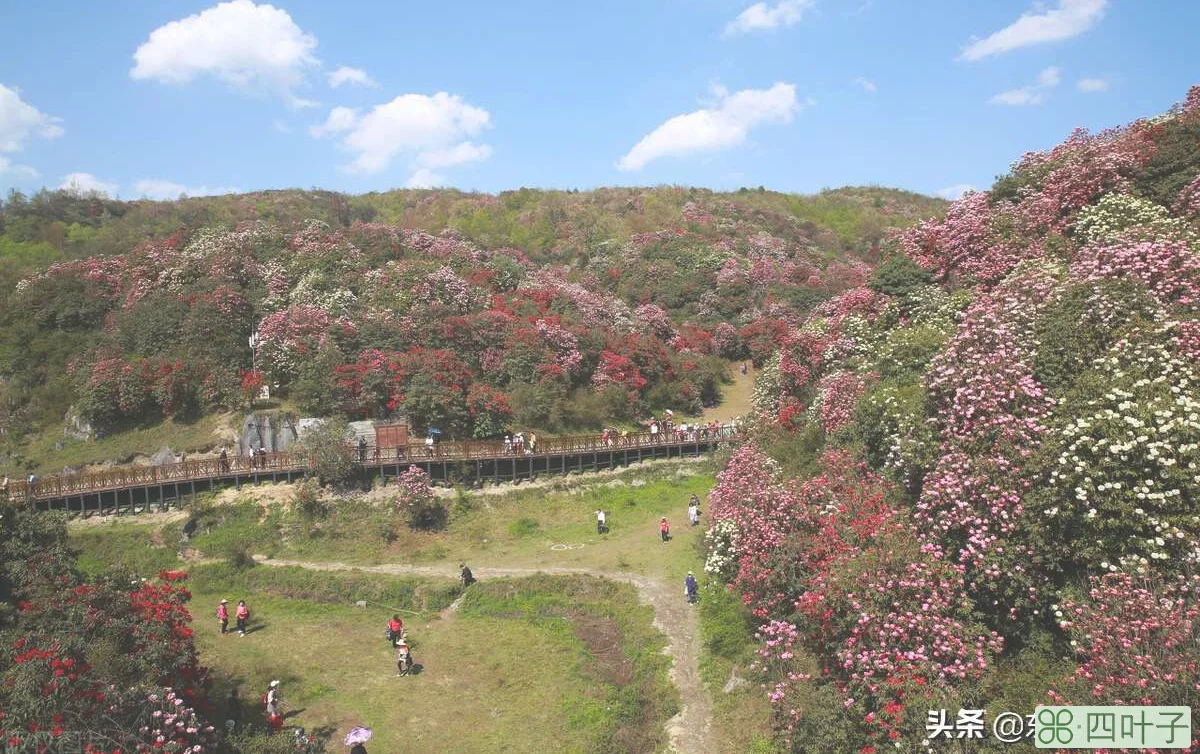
75, 427
163, 457
275, 433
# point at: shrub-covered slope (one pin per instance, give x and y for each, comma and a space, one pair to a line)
977, 481
547, 310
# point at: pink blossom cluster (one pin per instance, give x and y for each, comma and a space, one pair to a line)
563, 342
839, 394
1077, 171
655, 320
1188, 202
446, 287
1136, 639
1170, 270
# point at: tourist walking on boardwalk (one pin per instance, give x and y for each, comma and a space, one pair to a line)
223, 615
690, 587
242, 614
664, 529
468, 578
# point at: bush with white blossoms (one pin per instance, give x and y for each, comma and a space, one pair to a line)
721, 561
766, 389
1123, 217
1126, 480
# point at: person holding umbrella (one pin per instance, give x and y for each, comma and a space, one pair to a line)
356, 738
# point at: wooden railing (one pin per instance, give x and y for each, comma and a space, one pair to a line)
65, 485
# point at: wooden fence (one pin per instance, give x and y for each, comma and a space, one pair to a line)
210, 469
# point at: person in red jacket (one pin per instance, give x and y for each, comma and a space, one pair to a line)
395, 630
664, 529
223, 615
242, 614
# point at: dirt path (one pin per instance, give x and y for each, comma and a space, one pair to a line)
689, 731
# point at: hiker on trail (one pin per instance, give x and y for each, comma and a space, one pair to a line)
223, 462
508, 443
654, 430
694, 510
362, 450
743, 367
242, 614
690, 587
601, 523
664, 529
233, 711
274, 703
468, 578
395, 629
223, 615
429, 446
532, 442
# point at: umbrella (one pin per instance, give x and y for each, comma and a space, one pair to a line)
359, 735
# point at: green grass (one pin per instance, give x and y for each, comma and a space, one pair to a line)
545, 663
742, 717
551, 525
48, 457
502, 675
145, 550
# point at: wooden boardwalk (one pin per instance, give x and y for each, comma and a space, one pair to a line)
131, 489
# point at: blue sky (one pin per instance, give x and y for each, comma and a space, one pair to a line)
148, 99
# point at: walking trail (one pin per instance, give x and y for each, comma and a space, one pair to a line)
689, 731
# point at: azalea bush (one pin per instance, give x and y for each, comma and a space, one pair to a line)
1128, 453
1137, 640
415, 502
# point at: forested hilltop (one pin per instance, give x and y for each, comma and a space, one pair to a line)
555, 311
977, 479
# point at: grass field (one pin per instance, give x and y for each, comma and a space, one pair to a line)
571, 665
538, 664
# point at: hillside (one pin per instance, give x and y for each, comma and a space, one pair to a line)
976, 479
551, 311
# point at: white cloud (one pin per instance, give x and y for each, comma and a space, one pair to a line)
156, 188
281, 126
725, 124
1039, 26
251, 47
1092, 85
1034, 94
1026, 95
956, 191
339, 119
16, 172
432, 132
865, 83
1050, 77
19, 121
423, 178
83, 184
762, 17
347, 75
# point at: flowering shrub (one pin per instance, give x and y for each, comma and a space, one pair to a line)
837, 395
1136, 640
1122, 217
415, 501
1127, 462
